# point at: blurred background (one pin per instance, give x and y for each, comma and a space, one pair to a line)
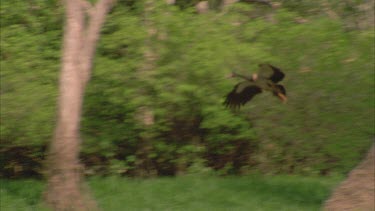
154, 106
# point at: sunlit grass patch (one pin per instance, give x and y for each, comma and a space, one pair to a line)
186, 193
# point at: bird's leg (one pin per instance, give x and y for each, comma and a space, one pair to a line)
254, 76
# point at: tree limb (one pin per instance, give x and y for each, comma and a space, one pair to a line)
96, 16
85, 4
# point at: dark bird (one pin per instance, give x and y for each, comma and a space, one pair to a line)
266, 79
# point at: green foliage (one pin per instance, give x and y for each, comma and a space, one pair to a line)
190, 121
30, 50
325, 127
186, 193
330, 85
21, 195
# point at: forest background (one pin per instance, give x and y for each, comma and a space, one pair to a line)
325, 47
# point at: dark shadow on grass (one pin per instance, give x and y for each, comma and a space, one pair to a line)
310, 191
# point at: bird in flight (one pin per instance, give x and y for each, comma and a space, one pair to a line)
266, 79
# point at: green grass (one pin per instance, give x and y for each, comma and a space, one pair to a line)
186, 193
21, 195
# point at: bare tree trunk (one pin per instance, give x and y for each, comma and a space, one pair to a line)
145, 113
202, 7
64, 170
357, 192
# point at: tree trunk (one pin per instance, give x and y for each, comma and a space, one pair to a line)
145, 113
65, 189
357, 192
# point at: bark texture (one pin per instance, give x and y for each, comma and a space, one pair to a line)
65, 189
357, 192
145, 113
202, 7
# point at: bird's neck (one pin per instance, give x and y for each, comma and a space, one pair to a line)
242, 76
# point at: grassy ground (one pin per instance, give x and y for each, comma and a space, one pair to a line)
186, 193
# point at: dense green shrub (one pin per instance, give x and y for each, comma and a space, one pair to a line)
325, 127
30, 51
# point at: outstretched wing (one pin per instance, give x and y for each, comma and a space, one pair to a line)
281, 89
270, 72
241, 94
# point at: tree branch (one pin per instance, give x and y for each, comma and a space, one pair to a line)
85, 4
97, 15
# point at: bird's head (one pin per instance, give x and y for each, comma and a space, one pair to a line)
231, 75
